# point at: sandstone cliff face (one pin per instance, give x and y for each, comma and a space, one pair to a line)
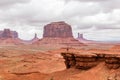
87, 61
7, 33
112, 61
57, 30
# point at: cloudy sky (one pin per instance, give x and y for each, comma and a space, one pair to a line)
96, 19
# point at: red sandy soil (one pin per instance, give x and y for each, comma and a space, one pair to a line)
10, 41
27, 64
34, 63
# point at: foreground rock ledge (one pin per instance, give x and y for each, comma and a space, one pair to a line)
88, 60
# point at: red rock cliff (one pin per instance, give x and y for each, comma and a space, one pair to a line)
87, 61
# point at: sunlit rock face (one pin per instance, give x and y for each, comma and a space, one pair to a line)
57, 30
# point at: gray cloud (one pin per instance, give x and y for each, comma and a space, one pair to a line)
8, 3
88, 0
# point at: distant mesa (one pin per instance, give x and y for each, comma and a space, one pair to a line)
83, 40
58, 33
8, 37
86, 41
80, 36
7, 33
57, 30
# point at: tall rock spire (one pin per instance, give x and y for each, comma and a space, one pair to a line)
80, 35
35, 35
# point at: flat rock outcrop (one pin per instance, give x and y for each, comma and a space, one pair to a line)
89, 60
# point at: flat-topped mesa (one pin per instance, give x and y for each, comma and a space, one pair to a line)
7, 33
58, 34
57, 30
89, 60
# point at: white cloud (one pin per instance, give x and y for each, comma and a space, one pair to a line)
9, 3
85, 16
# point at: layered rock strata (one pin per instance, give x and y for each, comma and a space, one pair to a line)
89, 60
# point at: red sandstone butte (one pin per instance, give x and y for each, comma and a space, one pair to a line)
57, 30
58, 33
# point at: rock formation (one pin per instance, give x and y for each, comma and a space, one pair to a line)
15, 34
89, 60
35, 39
83, 40
57, 30
8, 37
58, 33
7, 33
80, 36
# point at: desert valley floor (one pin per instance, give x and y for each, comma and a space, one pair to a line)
34, 63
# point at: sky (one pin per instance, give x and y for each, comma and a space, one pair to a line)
96, 19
